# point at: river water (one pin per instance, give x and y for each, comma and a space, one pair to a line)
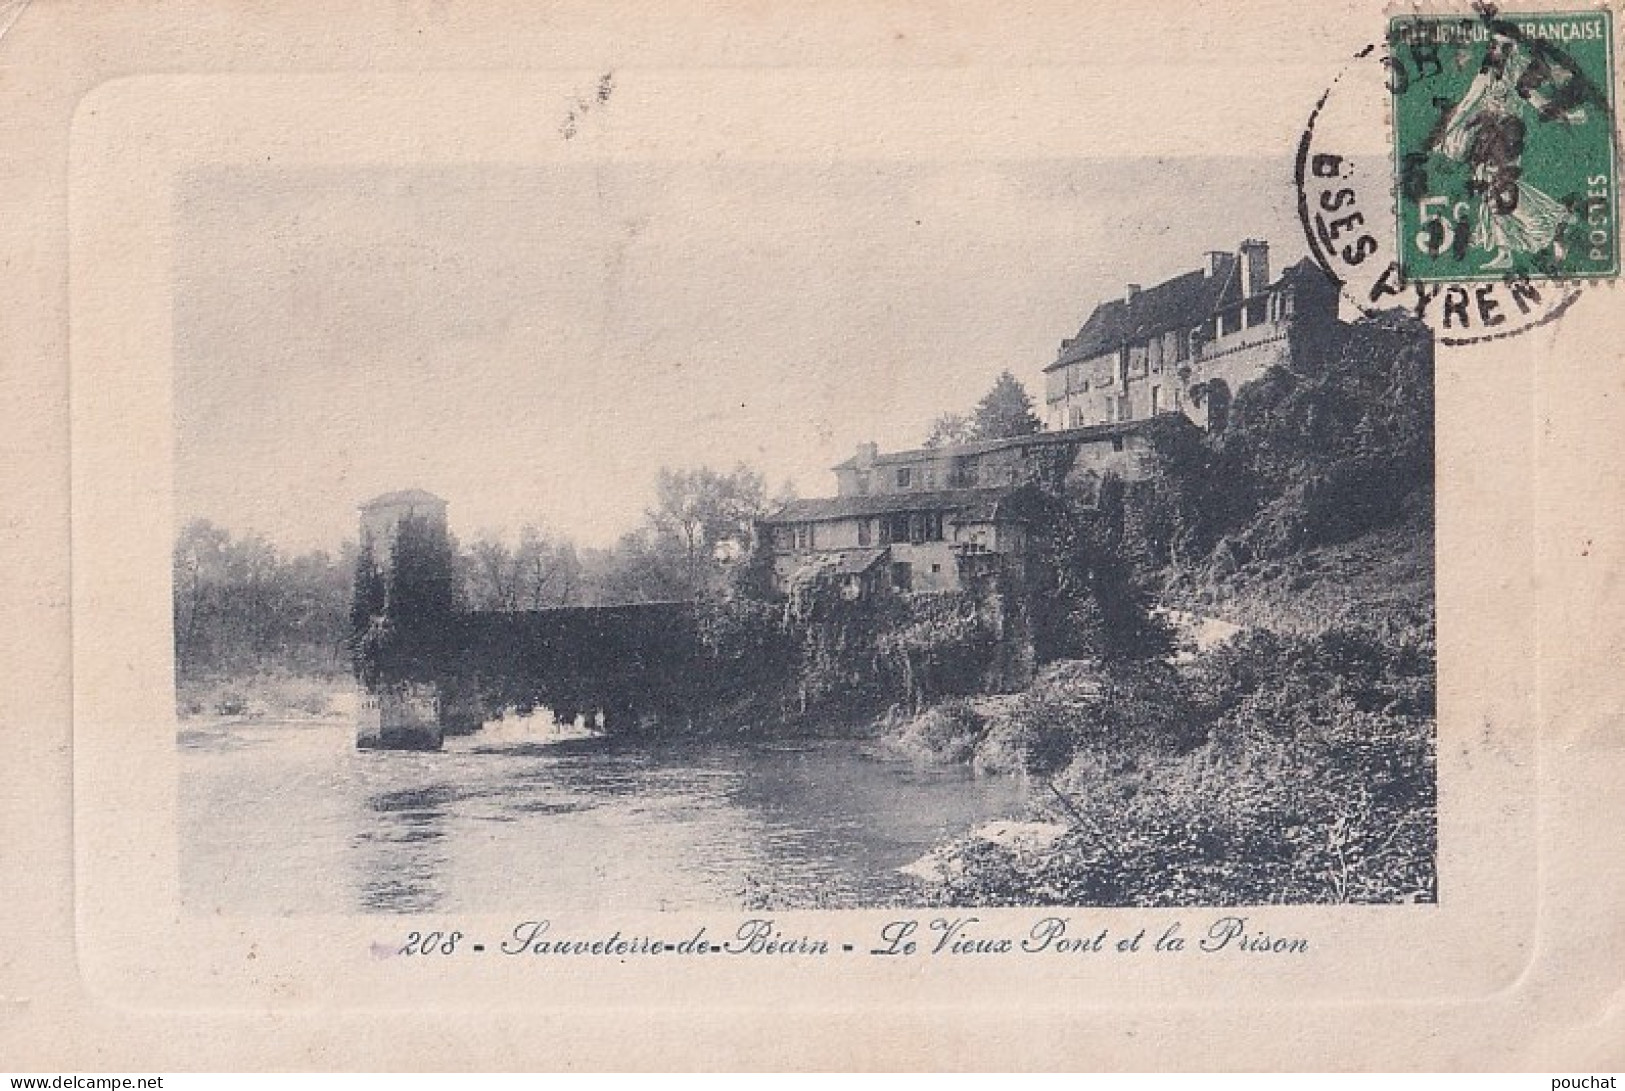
289, 818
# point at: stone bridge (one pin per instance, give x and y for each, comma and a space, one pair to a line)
627, 667
429, 669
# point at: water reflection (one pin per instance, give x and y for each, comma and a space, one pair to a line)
397, 856
504, 821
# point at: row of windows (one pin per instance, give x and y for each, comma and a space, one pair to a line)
906, 477
913, 527
795, 536
962, 476
961, 473
1137, 360
1116, 408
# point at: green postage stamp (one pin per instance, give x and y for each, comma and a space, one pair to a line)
1504, 146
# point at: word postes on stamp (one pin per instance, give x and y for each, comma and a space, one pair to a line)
1504, 146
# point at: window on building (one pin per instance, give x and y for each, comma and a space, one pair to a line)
936, 570
905, 477
1117, 443
804, 536
863, 532
1077, 416
902, 575
1156, 400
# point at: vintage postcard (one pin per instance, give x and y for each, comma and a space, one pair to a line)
870, 536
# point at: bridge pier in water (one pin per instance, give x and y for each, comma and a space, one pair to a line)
400, 716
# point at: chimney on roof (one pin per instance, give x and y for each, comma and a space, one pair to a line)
1133, 290
867, 453
1218, 263
1255, 266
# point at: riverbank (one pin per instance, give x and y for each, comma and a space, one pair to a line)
1293, 762
268, 695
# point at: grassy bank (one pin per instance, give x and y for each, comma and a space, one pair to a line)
1293, 763
1381, 574
270, 695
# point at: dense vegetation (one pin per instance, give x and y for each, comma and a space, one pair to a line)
1005, 410
1311, 457
1295, 762
1273, 769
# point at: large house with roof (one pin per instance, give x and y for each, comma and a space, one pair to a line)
933, 518
1185, 345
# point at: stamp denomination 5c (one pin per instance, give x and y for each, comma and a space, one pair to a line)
1504, 146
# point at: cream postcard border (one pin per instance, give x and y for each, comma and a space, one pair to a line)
1498, 950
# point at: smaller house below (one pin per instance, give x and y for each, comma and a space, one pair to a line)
936, 518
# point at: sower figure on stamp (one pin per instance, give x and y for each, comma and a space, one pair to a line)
1486, 130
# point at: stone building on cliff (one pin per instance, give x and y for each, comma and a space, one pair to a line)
933, 518
1185, 345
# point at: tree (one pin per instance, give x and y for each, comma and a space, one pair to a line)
548, 570
241, 607
367, 605
199, 573
253, 571
705, 520
423, 601
950, 430
1005, 411
1086, 600
636, 570
491, 574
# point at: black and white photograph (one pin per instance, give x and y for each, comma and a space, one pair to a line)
779, 538
881, 536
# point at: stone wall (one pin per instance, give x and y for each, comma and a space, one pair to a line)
400, 716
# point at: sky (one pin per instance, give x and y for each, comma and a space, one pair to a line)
533, 342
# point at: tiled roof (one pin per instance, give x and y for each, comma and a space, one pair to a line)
855, 562
966, 501
1087, 434
1177, 304
1302, 271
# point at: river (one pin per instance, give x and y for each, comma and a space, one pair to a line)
282, 818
